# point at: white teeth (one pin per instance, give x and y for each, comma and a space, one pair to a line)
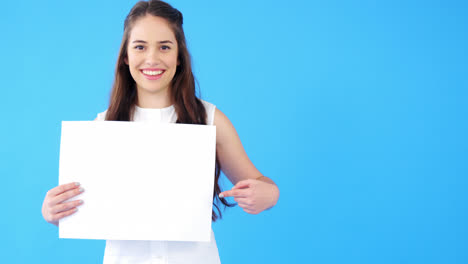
152, 72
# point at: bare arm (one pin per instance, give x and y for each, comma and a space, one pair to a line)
253, 191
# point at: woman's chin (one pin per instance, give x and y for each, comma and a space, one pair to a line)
152, 90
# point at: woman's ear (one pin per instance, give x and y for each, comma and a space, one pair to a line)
126, 60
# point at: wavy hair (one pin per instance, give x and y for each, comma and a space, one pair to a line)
188, 107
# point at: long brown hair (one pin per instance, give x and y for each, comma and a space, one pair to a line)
188, 107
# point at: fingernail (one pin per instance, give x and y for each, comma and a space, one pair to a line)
221, 195
77, 184
81, 190
76, 209
80, 202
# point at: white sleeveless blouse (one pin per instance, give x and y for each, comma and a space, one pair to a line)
167, 252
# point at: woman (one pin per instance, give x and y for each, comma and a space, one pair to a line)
154, 82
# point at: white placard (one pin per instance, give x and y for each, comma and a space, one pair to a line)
142, 181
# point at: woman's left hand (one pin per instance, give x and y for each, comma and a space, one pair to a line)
254, 196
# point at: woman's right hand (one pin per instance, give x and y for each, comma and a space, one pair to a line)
54, 207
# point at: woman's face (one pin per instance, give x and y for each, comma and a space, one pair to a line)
152, 55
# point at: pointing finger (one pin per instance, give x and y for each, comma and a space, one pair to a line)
233, 193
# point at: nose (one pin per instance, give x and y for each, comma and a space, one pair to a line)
152, 57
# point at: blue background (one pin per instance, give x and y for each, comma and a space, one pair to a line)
357, 109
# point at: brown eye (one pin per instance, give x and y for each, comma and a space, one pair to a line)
165, 47
139, 47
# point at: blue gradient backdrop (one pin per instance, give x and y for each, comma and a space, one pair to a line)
357, 109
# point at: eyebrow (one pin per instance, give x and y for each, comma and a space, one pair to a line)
160, 42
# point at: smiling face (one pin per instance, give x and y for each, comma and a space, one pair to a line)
152, 55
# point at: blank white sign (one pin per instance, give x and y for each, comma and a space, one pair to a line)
142, 181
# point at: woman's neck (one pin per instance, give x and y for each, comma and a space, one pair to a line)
156, 100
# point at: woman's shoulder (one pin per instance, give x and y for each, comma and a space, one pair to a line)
210, 111
101, 116
208, 105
